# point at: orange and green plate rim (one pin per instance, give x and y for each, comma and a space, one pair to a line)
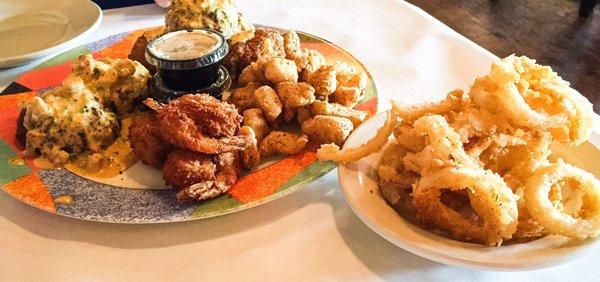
46, 189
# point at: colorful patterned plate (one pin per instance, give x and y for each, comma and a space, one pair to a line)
61, 192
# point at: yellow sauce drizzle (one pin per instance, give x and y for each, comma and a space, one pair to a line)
111, 162
63, 200
16, 160
43, 163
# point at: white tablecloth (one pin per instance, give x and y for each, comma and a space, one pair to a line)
311, 234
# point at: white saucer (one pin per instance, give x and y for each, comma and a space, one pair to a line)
32, 29
361, 191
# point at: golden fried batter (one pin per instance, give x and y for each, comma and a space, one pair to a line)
328, 129
243, 97
268, 102
184, 168
278, 70
280, 142
265, 43
255, 119
146, 145
202, 124
250, 157
228, 168
138, 52
324, 81
307, 60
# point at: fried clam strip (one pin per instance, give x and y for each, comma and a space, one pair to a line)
202, 124
548, 203
332, 152
227, 170
492, 201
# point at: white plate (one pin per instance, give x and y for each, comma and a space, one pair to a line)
32, 29
360, 187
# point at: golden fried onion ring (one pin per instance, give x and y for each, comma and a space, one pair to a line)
499, 88
579, 112
534, 96
332, 152
444, 143
551, 214
453, 102
489, 196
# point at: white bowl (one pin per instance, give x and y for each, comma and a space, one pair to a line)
361, 191
32, 29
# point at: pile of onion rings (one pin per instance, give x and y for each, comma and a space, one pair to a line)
476, 166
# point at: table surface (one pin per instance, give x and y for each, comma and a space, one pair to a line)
310, 234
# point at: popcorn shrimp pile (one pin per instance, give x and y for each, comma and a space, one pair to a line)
294, 85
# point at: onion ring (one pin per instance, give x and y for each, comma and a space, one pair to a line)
332, 152
499, 88
454, 101
391, 170
551, 214
444, 148
579, 113
489, 196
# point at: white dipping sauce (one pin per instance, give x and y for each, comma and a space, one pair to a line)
185, 45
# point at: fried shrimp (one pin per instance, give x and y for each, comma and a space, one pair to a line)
217, 119
146, 144
196, 140
201, 123
184, 168
545, 194
492, 201
227, 170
